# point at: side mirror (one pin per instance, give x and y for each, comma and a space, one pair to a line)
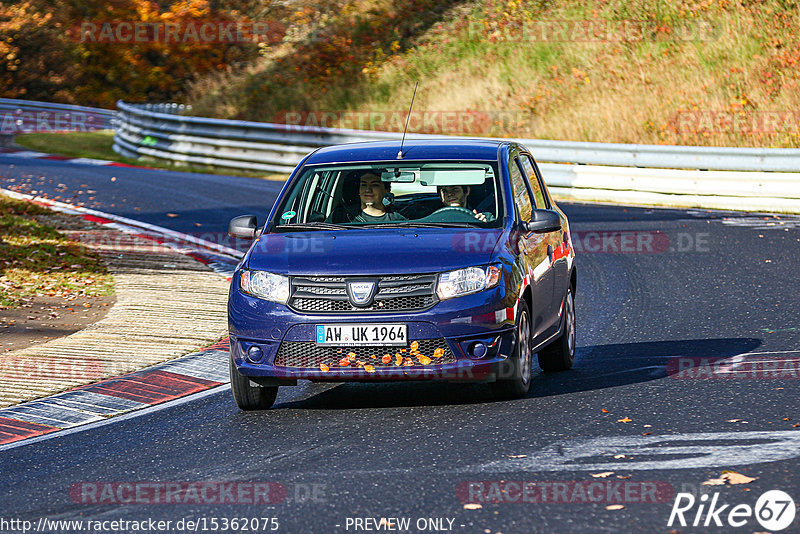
543, 221
243, 227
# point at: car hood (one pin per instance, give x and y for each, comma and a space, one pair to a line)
373, 251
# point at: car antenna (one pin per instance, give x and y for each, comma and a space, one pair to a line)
400, 154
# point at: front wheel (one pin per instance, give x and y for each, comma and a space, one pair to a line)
518, 366
560, 354
247, 396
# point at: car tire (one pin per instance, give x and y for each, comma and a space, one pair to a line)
247, 396
560, 354
517, 381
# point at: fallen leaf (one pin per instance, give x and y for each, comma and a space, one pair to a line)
604, 474
517, 455
737, 478
734, 420
172, 215
624, 477
646, 433
618, 456
472, 506
624, 420
731, 477
614, 507
604, 410
648, 426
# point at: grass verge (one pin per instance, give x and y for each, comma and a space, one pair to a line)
37, 260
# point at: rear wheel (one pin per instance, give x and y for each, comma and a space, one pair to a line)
517, 383
560, 354
247, 396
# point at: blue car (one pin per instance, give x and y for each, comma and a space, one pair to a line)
443, 260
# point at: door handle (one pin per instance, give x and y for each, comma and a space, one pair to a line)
550, 252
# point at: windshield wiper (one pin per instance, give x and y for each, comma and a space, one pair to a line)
311, 226
411, 224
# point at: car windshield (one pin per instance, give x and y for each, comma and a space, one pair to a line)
419, 194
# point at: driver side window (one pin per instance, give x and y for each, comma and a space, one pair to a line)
522, 197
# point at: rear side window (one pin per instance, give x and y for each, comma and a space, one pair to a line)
538, 194
522, 198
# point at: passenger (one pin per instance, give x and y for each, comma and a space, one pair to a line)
456, 196
371, 191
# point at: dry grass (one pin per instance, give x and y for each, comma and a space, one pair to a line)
733, 81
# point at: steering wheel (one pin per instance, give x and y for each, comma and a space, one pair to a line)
453, 210
451, 214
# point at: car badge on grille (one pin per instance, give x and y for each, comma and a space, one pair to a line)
361, 293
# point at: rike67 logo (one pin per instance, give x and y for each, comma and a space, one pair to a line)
774, 510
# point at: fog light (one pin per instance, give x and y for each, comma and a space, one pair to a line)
477, 350
254, 354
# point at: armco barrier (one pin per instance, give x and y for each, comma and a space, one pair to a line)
752, 179
726, 190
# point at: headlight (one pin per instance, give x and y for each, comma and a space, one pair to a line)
264, 285
466, 281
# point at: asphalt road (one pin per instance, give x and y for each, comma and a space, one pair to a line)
676, 286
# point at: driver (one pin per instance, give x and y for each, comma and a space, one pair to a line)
456, 196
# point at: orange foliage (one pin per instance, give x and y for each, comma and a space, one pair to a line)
46, 54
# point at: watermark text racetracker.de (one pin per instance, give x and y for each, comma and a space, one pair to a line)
468, 122
739, 367
186, 32
606, 242
593, 30
195, 493
45, 367
22, 122
563, 492
740, 122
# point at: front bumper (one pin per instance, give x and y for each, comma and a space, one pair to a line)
455, 323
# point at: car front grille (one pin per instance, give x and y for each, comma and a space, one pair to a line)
307, 354
397, 293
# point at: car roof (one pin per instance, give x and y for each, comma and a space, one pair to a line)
413, 149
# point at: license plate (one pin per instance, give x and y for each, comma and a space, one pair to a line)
356, 335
